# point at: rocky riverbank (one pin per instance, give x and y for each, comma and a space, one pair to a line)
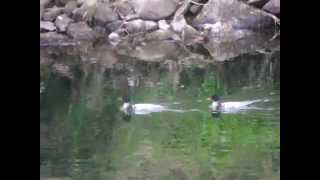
153, 29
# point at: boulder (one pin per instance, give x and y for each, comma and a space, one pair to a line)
233, 28
154, 9
104, 14
134, 26
69, 7
123, 8
86, 11
99, 30
43, 4
273, 6
150, 25
114, 38
162, 24
179, 24
231, 11
194, 9
50, 14
159, 35
80, 2
255, 23
233, 43
62, 22
191, 36
81, 31
89, 3
63, 2
114, 25
257, 3
46, 26
77, 14
138, 25
54, 39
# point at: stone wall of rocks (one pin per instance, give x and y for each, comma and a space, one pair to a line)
143, 28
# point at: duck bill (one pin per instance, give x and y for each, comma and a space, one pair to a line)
209, 98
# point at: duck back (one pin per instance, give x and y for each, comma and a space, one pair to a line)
148, 108
234, 106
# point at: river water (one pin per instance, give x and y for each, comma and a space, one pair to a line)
84, 136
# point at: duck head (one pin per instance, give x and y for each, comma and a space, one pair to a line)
214, 98
127, 107
216, 106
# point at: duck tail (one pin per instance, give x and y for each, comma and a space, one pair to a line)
258, 100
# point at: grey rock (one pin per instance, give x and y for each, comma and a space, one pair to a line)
233, 28
50, 14
138, 25
179, 24
81, 31
273, 6
85, 12
47, 26
163, 25
255, 23
134, 26
100, 30
62, 22
194, 9
233, 43
191, 36
63, 2
114, 25
54, 39
114, 38
154, 9
257, 3
150, 25
230, 11
77, 14
104, 14
159, 35
43, 4
80, 2
123, 8
69, 7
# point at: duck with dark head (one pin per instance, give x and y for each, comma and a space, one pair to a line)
127, 108
216, 107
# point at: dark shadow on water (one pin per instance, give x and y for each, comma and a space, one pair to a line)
216, 115
126, 117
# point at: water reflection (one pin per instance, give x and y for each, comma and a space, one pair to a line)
216, 115
84, 135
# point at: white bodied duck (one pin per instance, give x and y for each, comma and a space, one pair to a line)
230, 107
129, 109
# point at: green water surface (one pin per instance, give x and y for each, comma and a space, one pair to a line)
88, 139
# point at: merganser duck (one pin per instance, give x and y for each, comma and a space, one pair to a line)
230, 107
129, 109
